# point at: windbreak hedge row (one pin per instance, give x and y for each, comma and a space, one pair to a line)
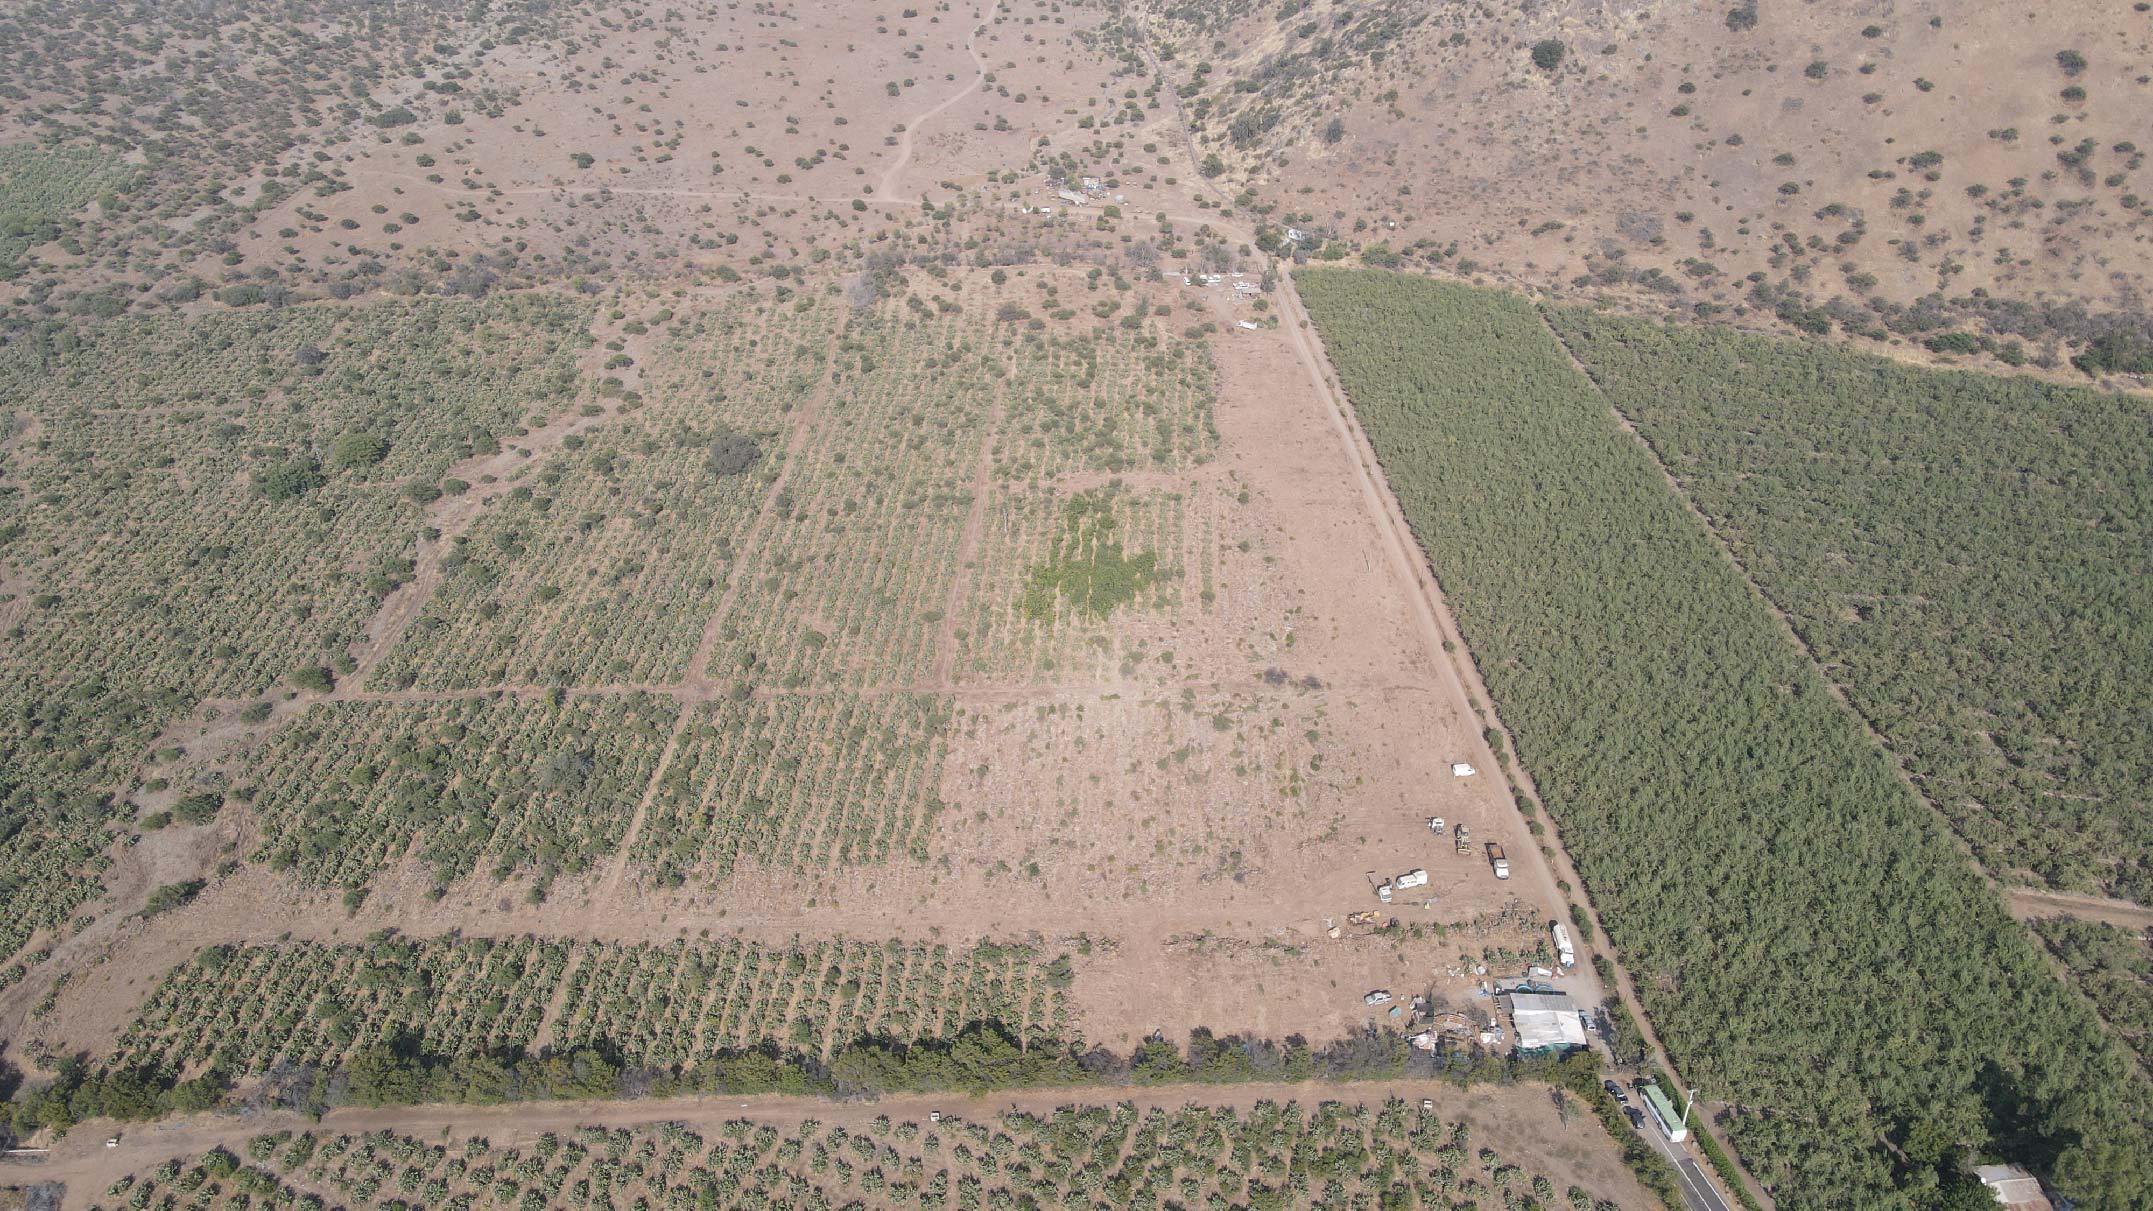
1813, 946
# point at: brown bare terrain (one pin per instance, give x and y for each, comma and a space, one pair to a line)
1898, 171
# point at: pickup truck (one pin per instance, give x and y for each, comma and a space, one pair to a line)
1498, 860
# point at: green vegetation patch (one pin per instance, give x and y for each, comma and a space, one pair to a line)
605, 562
539, 786
798, 781
41, 192
1966, 554
186, 513
1087, 570
1812, 944
248, 1009
2114, 967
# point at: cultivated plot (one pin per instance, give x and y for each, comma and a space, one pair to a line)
513, 786
604, 565
1269, 1153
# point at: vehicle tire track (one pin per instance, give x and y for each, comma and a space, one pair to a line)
906, 142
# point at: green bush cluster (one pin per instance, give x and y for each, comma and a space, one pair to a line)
1961, 551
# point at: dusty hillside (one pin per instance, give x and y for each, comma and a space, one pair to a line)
1895, 171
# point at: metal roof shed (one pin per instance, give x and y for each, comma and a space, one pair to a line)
1547, 1023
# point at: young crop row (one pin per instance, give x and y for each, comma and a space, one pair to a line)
1966, 553
1069, 584
848, 584
607, 563
667, 1005
804, 782
207, 503
198, 507
1810, 941
1106, 400
42, 189
514, 785
1271, 1155
246, 1009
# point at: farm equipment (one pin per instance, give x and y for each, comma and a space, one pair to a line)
1465, 840
1362, 918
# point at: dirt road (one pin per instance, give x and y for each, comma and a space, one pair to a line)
2029, 904
905, 141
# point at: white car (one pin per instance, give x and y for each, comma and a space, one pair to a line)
1380, 996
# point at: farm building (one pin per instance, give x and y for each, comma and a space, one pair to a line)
1547, 1023
2014, 1187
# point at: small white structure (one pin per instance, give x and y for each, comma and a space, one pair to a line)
1295, 234
1459, 769
1435, 824
1247, 288
1565, 953
1212, 279
1251, 326
1091, 184
1411, 878
2014, 1187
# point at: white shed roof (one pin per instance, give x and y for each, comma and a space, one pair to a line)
1546, 1020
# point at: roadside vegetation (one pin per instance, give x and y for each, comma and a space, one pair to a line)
1816, 952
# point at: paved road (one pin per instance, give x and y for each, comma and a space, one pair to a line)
1698, 1192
